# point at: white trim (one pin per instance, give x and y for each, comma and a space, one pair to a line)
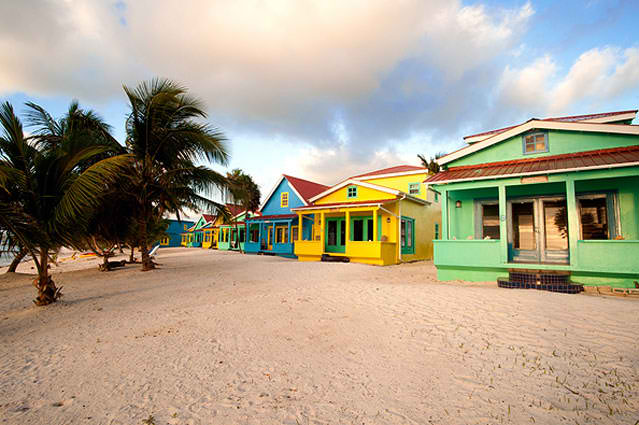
381, 176
282, 177
536, 173
344, 205
356, 183
545, 125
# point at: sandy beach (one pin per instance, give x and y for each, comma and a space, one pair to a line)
219, 337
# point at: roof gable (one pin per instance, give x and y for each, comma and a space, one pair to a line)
588, 127
338, 193
302, 189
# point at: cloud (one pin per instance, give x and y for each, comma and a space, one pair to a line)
598, 75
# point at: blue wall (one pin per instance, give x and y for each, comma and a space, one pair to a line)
175, 230
272, 206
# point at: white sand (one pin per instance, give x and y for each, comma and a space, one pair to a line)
224, 338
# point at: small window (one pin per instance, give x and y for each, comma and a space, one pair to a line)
413, 189
284, 200
408, 235
436, 197
436, 230
535, 143
352, 191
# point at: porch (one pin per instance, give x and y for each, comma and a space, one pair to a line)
272, 235
363, 234
585, 223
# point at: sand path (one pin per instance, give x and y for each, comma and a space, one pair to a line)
218, 337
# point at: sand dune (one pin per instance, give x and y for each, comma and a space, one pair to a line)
218, 337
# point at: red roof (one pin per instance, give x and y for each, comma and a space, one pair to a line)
234, 209
346, 204
273, 217
209, 217
572, 118
391, 170
540, 165
306, 189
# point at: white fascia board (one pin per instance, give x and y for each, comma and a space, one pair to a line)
355, 183
542, 125
381, 176
537, 173
271, 192
613, 118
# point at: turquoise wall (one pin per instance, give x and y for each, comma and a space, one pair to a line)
559, 142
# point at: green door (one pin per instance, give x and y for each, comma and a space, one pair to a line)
335, 235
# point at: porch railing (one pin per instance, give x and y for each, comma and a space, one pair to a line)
472, 253
619, 256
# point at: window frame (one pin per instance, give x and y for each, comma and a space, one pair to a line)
348, 192
535, 134
366, 235
436, 231
408, 250
479, 217
284, 197
419, 188
612, 212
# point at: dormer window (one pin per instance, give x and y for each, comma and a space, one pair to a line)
535, 143
352, 191
284, 200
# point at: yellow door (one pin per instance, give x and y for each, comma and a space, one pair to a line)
269, 237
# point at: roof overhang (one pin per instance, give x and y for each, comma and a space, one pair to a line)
379, 176
591, 127
354, 182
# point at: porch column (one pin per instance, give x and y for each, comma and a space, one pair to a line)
375, 235
503, 225
288, 238
573, 221
259, 236
348, 227
444, 193
299, 227
322, 219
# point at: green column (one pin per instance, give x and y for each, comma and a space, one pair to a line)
573, 221
503, 225
444, 194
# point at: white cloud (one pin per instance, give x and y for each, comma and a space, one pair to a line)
598, 75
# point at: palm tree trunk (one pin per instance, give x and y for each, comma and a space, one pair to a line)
147, 263
47, 291
16, 260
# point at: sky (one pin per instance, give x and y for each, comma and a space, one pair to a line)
326, 89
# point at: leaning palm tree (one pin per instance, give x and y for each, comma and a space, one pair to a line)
47, 191
167, 136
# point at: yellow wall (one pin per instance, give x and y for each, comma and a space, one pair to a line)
401, 183
425, 219
363, 194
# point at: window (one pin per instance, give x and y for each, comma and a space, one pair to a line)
490, 221
436, 230
436, 197
185, 228
242, 235
408, 235
207, 237
352, 191
535, 143
294, 232
362, 229
281, 234
597, 216
164, 241
254, 232
413, 189
284, 200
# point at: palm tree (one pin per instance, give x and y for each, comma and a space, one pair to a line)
167, 138
244, 192
431, 164
50, 183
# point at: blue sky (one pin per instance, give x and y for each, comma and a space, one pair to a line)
326, 90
